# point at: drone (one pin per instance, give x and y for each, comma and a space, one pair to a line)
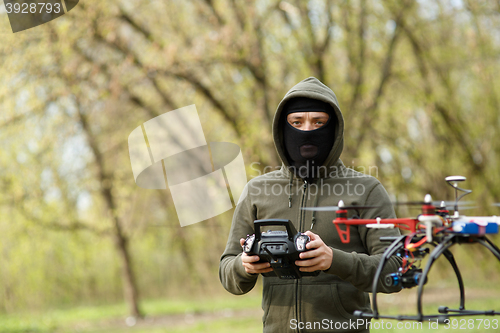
435, 226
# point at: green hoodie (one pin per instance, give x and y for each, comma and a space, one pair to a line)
316, 303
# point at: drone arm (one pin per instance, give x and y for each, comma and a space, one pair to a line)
403, 223
360, 268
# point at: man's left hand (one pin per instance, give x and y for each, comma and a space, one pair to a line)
319, 256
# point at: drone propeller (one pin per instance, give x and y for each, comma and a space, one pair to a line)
438, 208
339, 207
335, 208
467, 207
437, 204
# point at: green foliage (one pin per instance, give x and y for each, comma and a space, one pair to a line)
417, 82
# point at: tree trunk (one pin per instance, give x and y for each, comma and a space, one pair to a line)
130, 289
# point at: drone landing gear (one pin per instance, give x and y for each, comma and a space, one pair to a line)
441, 248
445, 310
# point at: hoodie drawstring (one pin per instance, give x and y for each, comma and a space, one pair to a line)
313, 220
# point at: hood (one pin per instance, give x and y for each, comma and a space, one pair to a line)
311, 88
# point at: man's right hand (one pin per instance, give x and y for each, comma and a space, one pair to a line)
250, 265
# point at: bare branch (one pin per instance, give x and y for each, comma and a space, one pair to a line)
452, 120
360, 63
68, 225
220, 19
371, 111
240, 16
183, 75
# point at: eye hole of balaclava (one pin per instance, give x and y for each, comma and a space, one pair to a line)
307, 149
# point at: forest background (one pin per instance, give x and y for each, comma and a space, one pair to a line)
417, 81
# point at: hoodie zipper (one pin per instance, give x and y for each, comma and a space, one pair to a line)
301, 227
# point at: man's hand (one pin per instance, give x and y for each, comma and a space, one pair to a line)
318, 258
249, 263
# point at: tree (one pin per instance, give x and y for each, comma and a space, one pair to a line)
410, 78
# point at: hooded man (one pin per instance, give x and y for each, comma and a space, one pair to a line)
308, 130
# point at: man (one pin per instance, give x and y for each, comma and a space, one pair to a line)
308, 131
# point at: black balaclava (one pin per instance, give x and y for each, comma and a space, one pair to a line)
307, 150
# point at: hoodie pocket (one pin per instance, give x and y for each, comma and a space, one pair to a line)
278, 305
266, 302
321, 303
352, 299
341, 308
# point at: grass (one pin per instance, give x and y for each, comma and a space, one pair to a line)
90, 318
228, 313
229, 325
